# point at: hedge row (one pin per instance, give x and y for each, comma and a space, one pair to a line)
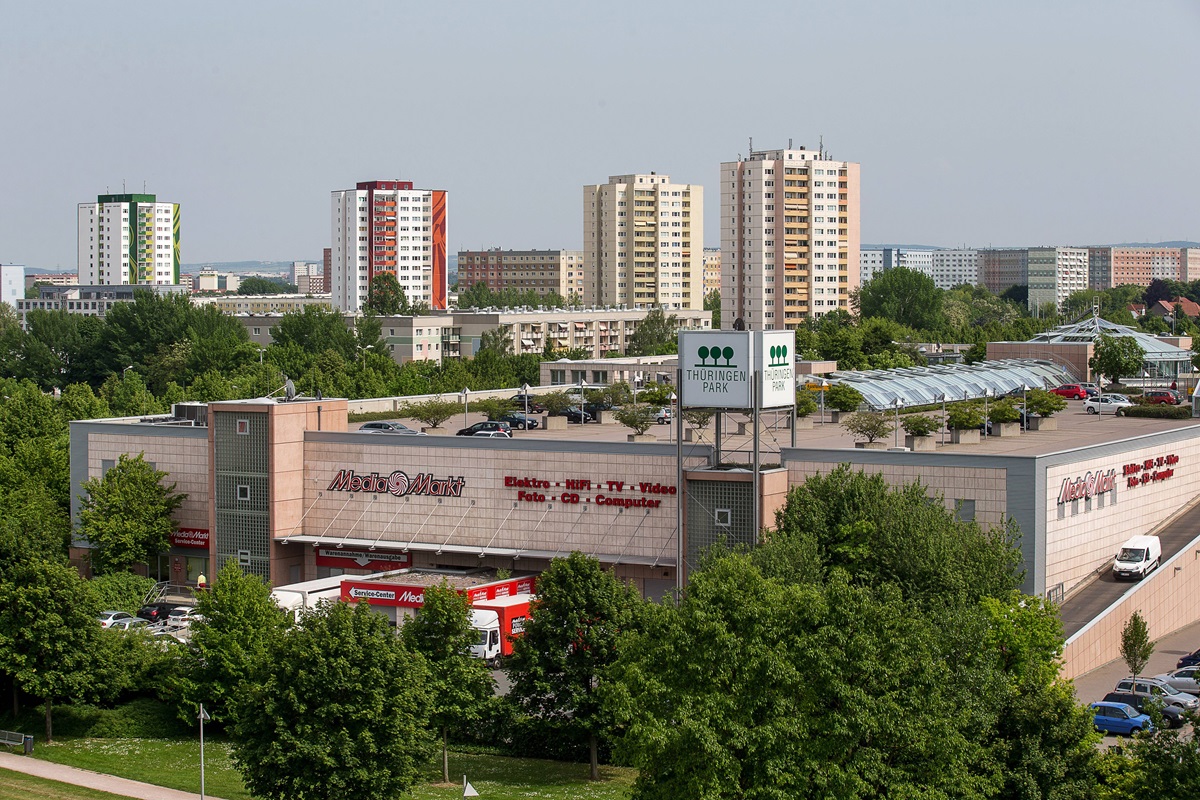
1160, 412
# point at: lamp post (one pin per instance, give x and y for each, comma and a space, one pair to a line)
203, 717
525, 393
466, 393
942, 397
582, 383
824, 388
1099, 396
899, 401
125, 370
986, 394
671, 424
1024, 404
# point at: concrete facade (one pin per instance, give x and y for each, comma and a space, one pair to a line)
790, 233
128, 238
540, 271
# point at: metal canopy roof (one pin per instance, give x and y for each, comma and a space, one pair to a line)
917, 386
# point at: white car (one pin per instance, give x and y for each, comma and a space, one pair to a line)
1107, 404
132, 623
182, 617
491, 435
110, 618
662, 416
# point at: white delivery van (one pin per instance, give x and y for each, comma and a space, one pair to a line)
1137, 557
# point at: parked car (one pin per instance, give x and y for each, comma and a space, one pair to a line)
662, 416
155, 612
519, 421
183, 616
1152, 687
107, 618
1172, 715
486, 425
1091, 389
1072, 391
1157, 397
1119, 718
1138, 557
1191, 659
576, 414
535, 407
389, 427
1107, 404
490, 435
595, 408
129, 624
1185, 679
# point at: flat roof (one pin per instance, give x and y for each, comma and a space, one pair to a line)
459, 579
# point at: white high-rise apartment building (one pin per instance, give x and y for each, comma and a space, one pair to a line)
1055, 273
955, 267
870, 264
128, 239
12, 284
789, 237
643, 242
388, 227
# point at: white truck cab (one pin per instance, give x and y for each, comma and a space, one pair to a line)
1138, 557
487, 624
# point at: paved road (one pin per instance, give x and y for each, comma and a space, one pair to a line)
1088, 601
92, 780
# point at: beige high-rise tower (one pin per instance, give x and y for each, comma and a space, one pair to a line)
643, 242
789, 237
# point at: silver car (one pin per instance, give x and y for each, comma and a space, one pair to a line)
1182, 679
1153, 687
129, 624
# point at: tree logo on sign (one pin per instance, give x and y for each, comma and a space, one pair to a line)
779, 355
705, 353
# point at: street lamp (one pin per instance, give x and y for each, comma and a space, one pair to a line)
942, 397
824, 388
672, 423
986, 394
124, 371
466, 393
525, 393
896, 403
1024, 404
203, 717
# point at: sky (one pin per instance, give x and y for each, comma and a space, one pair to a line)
1016, 123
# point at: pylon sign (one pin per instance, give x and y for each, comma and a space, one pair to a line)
775, 359
717, 368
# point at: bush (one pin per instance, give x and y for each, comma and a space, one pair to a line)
503, 729
964, 416
843, 398
493, 407
556, 403
1003, 410
121, 591
432, 412
805, 403
920, 425
868, 425
1044, 403
1159, 412
142, 718
638, 417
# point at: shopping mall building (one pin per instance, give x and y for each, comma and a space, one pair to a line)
292, 493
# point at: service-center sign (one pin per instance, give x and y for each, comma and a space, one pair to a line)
716, 368
775, 358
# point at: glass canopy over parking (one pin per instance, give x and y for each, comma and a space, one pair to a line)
918, 386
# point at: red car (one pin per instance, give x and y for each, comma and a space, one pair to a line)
1072, 391
1162, 397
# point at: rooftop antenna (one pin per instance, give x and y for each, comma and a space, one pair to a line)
821, 146
789, 143
122, 186
751, 145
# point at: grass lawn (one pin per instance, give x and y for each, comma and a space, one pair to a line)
175, 763
18, 786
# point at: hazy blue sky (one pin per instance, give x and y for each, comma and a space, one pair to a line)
1003, 123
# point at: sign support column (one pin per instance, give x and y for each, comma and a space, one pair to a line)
679, 481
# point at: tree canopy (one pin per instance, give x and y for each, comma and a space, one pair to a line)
902, 295
126, 514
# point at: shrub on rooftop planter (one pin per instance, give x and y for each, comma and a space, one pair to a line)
805, 403
867, 425
843, 398
963, 416
920, 425
1004, 410
1044, 403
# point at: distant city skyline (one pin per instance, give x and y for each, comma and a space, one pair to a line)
1017, 124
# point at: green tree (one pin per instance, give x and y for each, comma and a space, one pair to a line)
239, 625
868, 425
78, 401
126, 514
638, 417
1117, 356
122, 591
493, 407
902, 295
259, 285
751, 687
712, 302
497, 340
1136, 644
459, 684
385, 298
338, 708
1044, 403
48, 632
569, 644
312, 330
432, 412
128, 396
655, 335
843, 397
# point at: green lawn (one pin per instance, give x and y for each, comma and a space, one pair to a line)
18, 786
175, 763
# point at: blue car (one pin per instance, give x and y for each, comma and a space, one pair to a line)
1119, 718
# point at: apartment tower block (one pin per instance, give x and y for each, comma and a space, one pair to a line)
789, 237
388, 227
642, 243
128, 239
